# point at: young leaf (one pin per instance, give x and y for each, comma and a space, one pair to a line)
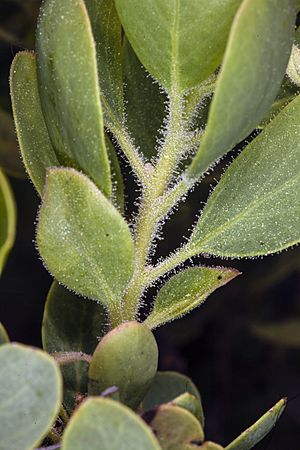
36, 148
255, 208
4, 339
254, 434
104, 422
7, 219
126, 357
69, 89
187, 290
83, 239
145, 104
175, 427
106, 29
10, 159
170, 38
191, 404
72, 324
166, 387
254, 64
30, 390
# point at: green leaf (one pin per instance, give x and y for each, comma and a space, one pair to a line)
69, 89
106, 29
10, 158
175, 427
36, 148
7, 219
83, 239
4, 338
254, 434
166, 387
187, 290
72, 324
170, 38
293, 68
284, 334
255, 208
145, 104
254, 64
126, 357
191, 404
104, 422
30, 390
117, 195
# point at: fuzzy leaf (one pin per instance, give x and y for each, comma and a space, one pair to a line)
30, 390
254, 64
170, 38
254, 434
7, 219
145, 104
126, 357
175, 427
36, 148
117, 195
72, 324
187, 290
191, 404
4, 339
255, 208
166, 387
104, 422
10, 159
83, 239
106, 29
69, 89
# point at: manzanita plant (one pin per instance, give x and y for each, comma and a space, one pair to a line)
172, 86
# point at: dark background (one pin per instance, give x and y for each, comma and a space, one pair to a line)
239, 373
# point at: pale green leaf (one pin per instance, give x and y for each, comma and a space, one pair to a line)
254, 64
179, 42
192, 404
69, 89
83, 239
175, 427
106, 29
106, 424
254, 434
166, 387
126, 358
255, 208
145, 104
7, 219
4, 338
10, 158
187, 290
284, 334
36, 148
72, 324
30, 392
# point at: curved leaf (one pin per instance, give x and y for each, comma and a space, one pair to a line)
36, 148
106, 29
69, 89
7, 219
255, 208
170, 38
254, 434
187, 290
126, 357
83, 239
166, 387
109, 424
4, 339
254, 64
72, 324
30, 390
191, 404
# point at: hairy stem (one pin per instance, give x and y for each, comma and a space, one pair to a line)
68, 357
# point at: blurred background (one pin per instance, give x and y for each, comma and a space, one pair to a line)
241, 348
